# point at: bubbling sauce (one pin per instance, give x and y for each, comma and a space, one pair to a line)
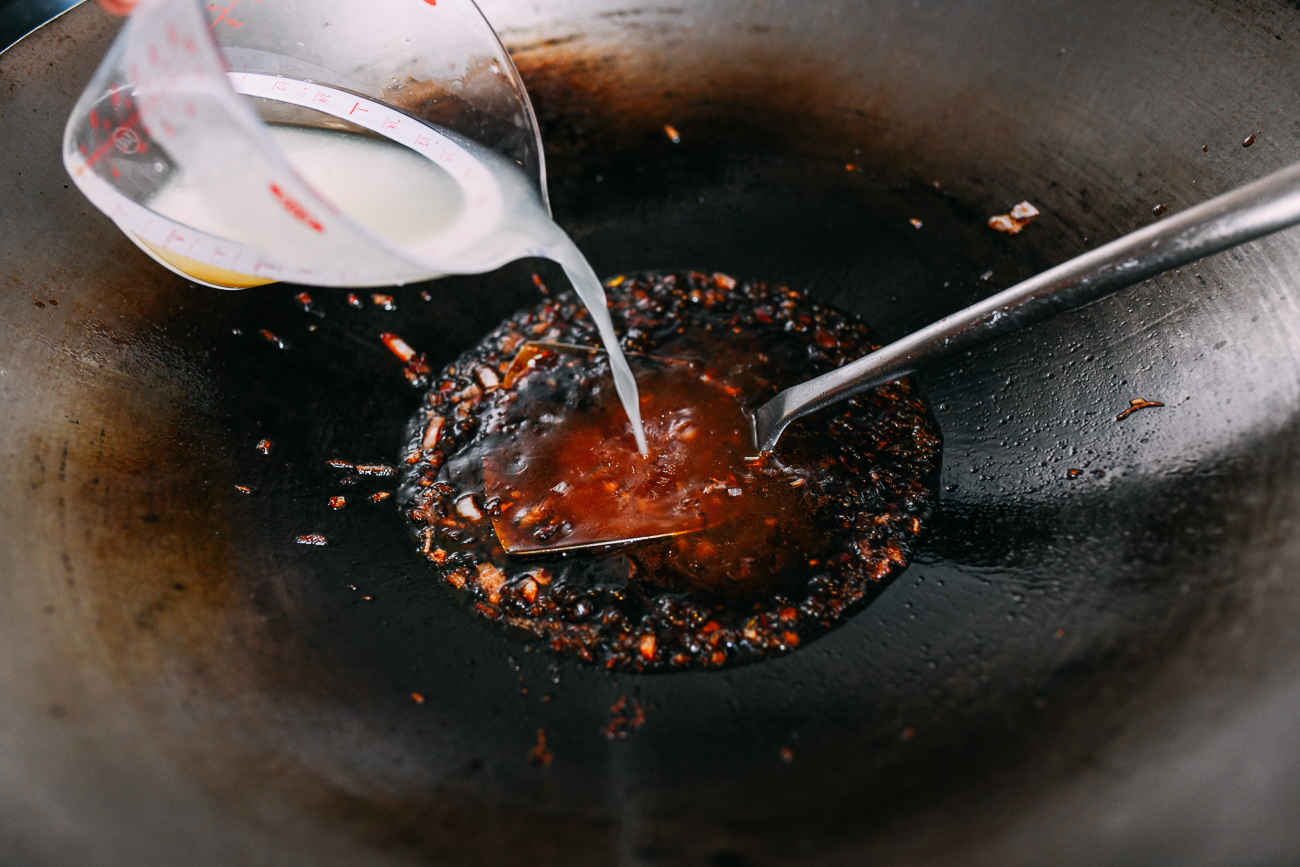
526, 492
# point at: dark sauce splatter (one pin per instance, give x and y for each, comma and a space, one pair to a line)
788, 546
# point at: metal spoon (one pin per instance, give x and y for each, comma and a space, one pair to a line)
1260, 208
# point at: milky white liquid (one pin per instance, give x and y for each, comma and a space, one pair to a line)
408, 199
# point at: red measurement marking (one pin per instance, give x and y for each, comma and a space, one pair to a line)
111, 142
280, 86
296, 210
322, 97
358, 107
423, 141
391, 123
447, 156
223, 11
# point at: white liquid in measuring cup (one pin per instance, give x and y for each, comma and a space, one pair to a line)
410, 200
391, 190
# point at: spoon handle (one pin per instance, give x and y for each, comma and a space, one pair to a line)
1259, 208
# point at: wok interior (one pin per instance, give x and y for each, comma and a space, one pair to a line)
1075, 668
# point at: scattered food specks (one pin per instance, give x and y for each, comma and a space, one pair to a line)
40, 304
673, 135
916, 224
271, 338
265, 446
375, 470
1060, 633
340, 465
1250, 139
1159, 209
625, 715
53, 303
467, 508
338, 502
417, 363
1021, 215
724, 281
852, 167
243, 489
304, 300
987, 275
1205, 149
433, 433
425, 296
398, 346
316, 540
541, 287
384, 301
380, 496
787, 755
907, 734
354, 301
1074, 473
540, 755
238, 332
1136, 404
417, 698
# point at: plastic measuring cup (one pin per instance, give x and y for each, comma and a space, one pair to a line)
319, 141
325, 142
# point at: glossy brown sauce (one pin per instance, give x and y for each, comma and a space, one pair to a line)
733, 518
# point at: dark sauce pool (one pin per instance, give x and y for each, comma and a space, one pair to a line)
708, 554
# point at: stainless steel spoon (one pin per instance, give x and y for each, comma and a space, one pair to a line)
1260, 208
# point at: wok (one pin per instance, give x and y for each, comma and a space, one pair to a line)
1079, 667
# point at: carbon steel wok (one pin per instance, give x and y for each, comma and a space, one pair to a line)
1093, 660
